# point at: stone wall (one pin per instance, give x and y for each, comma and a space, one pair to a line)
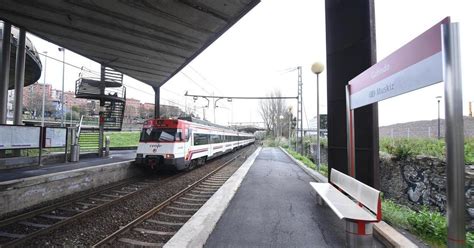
418, 181
421, 181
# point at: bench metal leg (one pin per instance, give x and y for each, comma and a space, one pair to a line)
359, 234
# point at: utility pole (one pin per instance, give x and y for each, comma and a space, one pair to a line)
61, 49
299, 114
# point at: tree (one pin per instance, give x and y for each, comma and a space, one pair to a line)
35, 103
271, 110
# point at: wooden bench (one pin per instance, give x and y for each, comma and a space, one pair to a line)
353, 201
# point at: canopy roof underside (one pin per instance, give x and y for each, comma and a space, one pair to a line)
149, 40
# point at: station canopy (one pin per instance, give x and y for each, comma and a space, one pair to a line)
149, 40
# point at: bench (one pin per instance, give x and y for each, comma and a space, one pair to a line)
353, 201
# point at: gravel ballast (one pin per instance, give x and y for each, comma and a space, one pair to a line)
91, 229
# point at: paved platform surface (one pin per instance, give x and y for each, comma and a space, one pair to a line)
115, 156
274, 208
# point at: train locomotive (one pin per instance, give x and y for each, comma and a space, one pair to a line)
184, 143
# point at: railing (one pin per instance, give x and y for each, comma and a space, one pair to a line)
93, 86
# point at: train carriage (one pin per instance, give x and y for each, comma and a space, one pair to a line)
184, 143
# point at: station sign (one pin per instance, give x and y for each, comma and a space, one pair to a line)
415, 65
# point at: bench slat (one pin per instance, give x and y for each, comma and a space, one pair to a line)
363, 193
344, 207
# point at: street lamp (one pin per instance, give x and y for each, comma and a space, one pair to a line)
61, 49
317, 68
439, 122
44, 88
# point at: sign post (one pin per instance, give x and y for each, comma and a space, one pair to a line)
428, 59
454, 136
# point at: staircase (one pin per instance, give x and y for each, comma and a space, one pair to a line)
108, 89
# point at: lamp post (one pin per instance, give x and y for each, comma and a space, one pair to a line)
44, 88
61, 49
439, 120
317, 68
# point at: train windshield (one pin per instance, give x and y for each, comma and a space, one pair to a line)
158, 135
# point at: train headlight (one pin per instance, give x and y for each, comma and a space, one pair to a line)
139, 155
169, 156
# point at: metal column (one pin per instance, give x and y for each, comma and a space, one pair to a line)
157, 102
347, 56
456, 208
19, 77
5, 72
299, 114
102, 112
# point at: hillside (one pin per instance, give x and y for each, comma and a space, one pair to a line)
423, 129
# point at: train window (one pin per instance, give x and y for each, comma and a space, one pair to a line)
201, 139
178, 135
158, 135
215, 139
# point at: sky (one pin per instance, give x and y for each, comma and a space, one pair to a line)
258, 54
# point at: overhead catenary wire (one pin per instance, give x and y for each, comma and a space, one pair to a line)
196, 83
204, 78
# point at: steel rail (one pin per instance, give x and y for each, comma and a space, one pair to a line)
77, 216
161, 206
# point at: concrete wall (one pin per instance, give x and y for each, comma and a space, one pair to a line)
421, 181
22, 193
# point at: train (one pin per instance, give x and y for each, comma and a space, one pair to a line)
184, 143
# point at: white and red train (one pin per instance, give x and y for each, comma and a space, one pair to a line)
184, 143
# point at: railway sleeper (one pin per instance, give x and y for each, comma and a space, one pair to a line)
188, 204
193, 200
54, 217
212, 184
183, 209
198, 195
11, 235
176, 215
38, 225
165, 223
148, 231
71, 210
203, 192
99, 199
111, 196
139, 243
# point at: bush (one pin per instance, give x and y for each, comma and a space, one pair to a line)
430, 226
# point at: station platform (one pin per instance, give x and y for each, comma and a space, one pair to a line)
267, 203
31, 171
25, 187
274, 207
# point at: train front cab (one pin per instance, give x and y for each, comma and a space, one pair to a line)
162, 145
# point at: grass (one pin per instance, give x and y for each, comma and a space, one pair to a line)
306, 161
123, 139
428, 225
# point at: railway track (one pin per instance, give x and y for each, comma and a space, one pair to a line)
18, 229
158, 225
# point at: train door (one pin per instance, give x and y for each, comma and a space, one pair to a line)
188, 139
